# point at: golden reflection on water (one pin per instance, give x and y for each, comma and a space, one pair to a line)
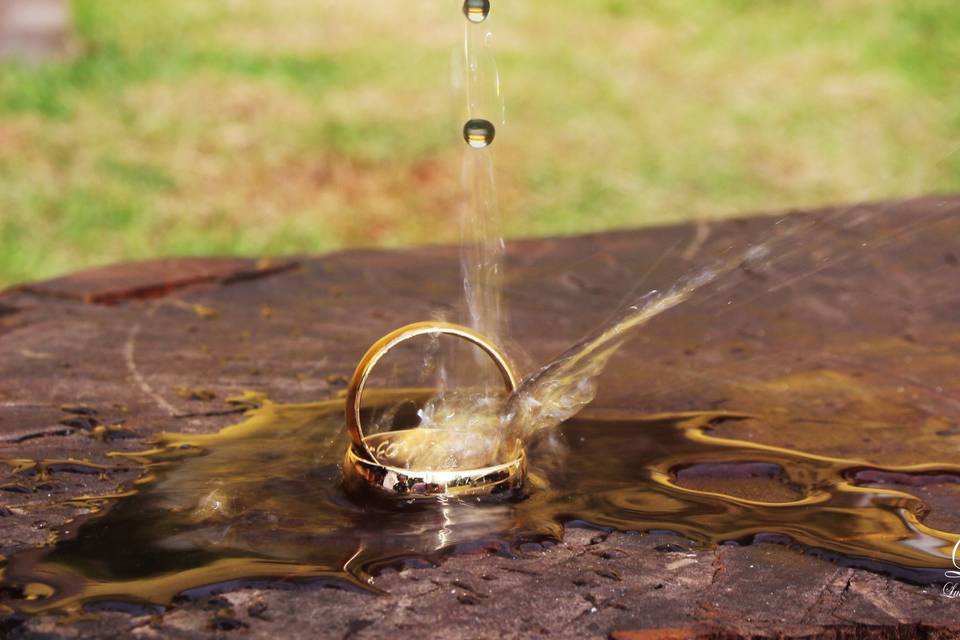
261, 500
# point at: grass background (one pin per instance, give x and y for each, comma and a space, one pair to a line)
252, 127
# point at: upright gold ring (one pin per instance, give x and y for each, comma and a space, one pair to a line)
363, 471
382, 346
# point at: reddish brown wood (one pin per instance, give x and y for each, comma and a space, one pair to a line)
152, 278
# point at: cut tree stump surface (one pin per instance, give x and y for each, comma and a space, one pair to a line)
855, 320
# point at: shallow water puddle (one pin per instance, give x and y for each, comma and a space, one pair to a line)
261, 500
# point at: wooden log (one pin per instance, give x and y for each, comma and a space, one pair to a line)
855, 314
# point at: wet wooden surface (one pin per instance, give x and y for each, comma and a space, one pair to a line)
846, 342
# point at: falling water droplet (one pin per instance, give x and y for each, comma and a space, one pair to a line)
479, 133
476, 10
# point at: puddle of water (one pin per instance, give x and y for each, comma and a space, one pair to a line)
262, 501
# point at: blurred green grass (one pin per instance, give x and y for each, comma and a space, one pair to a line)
239, 126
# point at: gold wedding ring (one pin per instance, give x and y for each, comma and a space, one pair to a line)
363, 466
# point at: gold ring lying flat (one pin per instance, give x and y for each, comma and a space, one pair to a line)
368, 459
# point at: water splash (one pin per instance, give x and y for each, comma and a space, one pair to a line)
565, 385
490, 425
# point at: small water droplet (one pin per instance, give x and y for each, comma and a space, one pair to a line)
479, 133
476, 10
